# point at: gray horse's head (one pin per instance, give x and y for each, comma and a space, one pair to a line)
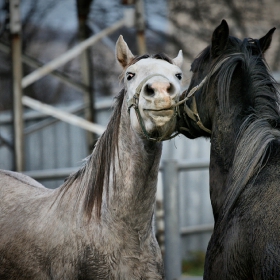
153, 87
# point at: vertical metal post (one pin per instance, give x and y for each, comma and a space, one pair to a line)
140, 26
86, 68
15, 32
172, 257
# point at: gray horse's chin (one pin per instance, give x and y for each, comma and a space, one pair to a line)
164, 130
161, 118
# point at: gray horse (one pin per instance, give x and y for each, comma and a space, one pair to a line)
98, 224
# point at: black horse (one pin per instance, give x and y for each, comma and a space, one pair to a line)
234, 100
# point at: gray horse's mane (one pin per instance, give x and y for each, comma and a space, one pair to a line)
95, 173
261, 119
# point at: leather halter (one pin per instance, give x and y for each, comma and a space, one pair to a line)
192, 111
134, 101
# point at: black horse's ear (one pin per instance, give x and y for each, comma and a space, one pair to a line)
219, 39
265, 41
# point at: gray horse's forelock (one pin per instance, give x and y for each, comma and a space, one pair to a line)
161, 56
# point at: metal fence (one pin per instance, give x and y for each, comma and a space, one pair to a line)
53, 149
173, 230
19, 82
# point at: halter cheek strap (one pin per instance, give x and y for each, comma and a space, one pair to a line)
193, 114
134, 101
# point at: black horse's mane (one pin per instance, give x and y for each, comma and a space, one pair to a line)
259, 83
260, 114
94, 175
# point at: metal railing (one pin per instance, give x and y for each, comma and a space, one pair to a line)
173, 232
20, 82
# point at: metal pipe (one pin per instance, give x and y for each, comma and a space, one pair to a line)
172, 257
69, 55
63, 116
140, 26
197, 229
190, 164
15, 30
86, 65
50, 174
106, 40
32, 62
101, 105
49, 121
60, 75
193, 164
105, 104
7, 141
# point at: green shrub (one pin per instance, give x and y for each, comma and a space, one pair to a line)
195, 264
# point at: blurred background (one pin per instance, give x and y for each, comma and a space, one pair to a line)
49, 28
34, 33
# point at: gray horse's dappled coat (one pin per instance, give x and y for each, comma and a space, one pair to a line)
98, 224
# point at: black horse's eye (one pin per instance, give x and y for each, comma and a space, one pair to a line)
179, 76
129, 76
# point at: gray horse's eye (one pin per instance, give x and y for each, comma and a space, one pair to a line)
179, 76
129, 76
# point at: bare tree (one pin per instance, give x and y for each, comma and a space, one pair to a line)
194, 21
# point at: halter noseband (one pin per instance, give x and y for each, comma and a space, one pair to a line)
192, 111
134, 101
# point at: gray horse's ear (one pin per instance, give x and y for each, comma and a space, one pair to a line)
219, 39
178, 60
265, 41
123, 53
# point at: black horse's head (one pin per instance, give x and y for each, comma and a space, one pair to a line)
217, 74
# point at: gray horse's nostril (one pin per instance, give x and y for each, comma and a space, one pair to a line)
149, 90
171, 89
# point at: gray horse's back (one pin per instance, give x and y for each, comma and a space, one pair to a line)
38, 235
6, 175
21, 196
22, 203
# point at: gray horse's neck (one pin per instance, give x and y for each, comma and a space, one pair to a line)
128, 198
132, 197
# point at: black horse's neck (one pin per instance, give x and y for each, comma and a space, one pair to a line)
225, 130
246, 117
222, 153
237, 94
